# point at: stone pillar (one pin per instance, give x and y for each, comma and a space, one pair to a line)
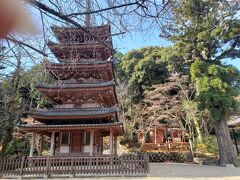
91, 142
52, 144
111, 142
32, 145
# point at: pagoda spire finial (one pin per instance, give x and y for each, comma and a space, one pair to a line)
88, 16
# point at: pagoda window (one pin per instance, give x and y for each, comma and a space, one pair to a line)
87, 137
65, 138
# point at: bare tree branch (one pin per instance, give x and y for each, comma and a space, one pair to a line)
24, 44
105, 9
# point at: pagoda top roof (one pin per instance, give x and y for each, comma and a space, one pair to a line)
58, 28
73, 112
73, 86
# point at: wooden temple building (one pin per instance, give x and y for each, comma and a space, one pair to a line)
84, 97
163, 137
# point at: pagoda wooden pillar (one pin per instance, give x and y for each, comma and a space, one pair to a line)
32, 145
101, 145
111, 142
52, 144
41, 145
155, 135
91, 142
115, 144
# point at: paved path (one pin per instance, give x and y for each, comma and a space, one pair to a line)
181, 171
177, 171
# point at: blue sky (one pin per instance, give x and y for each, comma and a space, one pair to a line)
138, 40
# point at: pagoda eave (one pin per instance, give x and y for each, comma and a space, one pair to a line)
88, 63
61, 29
82, 47
65, 62
101, 71
107, 115
60, 86
73, 113
78, 52
105, 95
116, 126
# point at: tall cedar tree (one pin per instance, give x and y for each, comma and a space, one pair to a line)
209, 31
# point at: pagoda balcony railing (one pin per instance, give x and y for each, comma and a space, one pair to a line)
72, 61
89, 60
61, 106
84, 41
67, 106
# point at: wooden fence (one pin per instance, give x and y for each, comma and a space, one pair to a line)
126, 165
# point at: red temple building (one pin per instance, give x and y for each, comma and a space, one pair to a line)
163, 137
85, 103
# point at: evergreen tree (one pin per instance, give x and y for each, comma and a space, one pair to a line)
205, 32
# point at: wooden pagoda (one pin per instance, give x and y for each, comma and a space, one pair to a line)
85, 103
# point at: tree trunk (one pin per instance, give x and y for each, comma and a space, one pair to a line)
205, 131
6, 139
197, 127
227, 152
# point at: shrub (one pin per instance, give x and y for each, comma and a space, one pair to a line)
18, 147
201, 148
211, 144
129, 143
46, 153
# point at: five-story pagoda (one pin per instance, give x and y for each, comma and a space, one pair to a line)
85, 103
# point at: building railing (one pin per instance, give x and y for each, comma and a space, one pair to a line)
171, 146
125, 165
